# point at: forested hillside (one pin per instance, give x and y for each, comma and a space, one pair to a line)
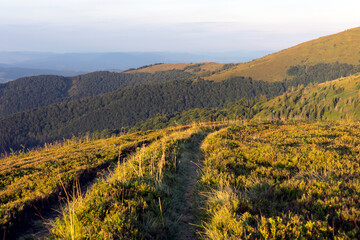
128, 106
332, 100
37, 91
124, 108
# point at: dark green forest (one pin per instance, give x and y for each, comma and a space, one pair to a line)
37, 91
124, 108
239, 110
322, 72
130, 100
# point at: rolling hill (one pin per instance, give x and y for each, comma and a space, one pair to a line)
124, 108
332, 53
37, 91
8, 73
343, 47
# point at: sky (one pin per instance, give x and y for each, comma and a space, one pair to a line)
168, 25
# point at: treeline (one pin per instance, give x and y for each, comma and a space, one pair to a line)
334, 100
125, 107
37, 91
322, 72
239, 110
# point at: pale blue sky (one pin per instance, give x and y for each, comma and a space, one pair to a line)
168, 25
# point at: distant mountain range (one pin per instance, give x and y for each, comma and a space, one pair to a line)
14, 65
8, 73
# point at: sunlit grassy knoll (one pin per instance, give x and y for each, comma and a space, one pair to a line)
282, 181
343, 47
161, 67
133, 202
30, 181
199, 69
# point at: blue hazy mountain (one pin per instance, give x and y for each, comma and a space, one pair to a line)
20, 64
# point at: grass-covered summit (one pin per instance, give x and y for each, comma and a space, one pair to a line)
343, 47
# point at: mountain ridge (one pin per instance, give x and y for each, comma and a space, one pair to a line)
38, 91
342, 47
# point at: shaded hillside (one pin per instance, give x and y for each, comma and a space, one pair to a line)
334, 100
302, 104
125, 107
37, 91
129, 106
343, 47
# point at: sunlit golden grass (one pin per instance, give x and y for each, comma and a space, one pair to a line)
161, 67
37, 176
206, 66
258, 181
343, 47
287, 181
132, 202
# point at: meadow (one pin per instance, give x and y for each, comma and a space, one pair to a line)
231, 180
137, 201
282, 181
30, 182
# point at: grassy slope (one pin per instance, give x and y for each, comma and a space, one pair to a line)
291, 181
334, 100
343, 47
271, 181
138, 201
206, 66
37, 177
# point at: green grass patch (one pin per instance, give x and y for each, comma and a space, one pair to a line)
32, 181
133, 202
290, 181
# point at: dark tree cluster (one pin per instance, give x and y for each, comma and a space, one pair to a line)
124, 108
37, 91
322, 72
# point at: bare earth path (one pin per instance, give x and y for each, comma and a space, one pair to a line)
184, 202
187, 202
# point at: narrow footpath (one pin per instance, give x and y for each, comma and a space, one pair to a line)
187, 202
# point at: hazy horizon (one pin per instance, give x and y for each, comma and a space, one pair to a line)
169, 26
